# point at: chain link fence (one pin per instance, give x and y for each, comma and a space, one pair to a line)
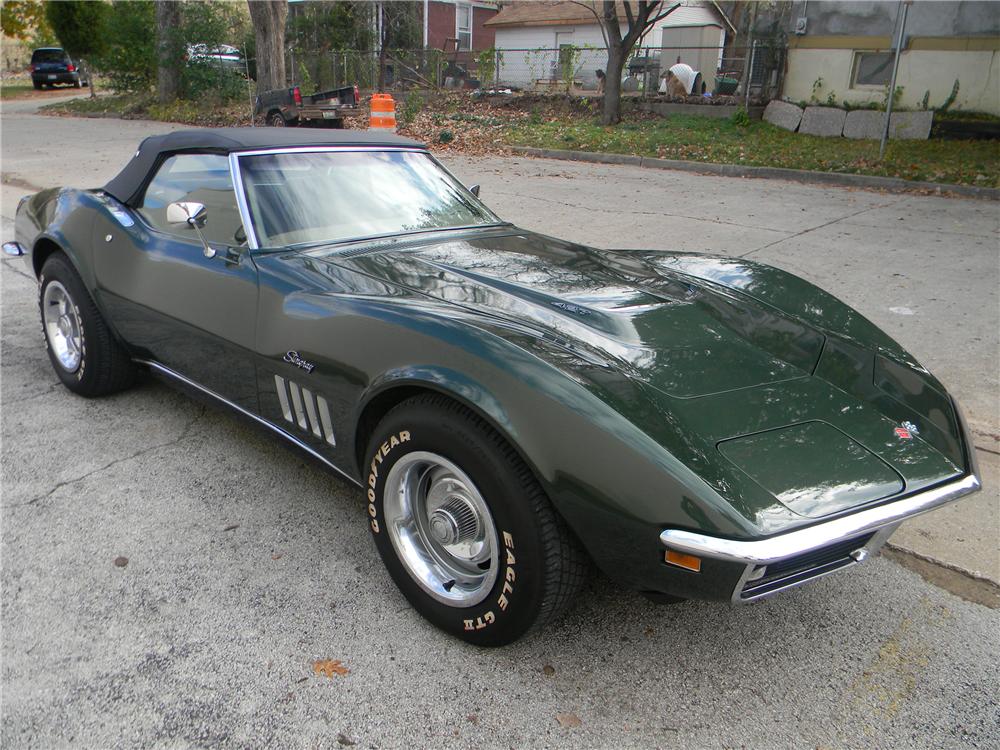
568, 69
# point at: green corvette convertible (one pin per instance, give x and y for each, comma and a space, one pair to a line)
515, 409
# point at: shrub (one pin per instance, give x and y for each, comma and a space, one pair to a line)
740, 118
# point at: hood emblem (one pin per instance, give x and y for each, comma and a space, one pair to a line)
911, 427
903, 434
293, 358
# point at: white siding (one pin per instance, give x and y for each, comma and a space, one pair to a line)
691, 14
529, 53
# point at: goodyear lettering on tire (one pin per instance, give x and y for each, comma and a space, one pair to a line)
394, 441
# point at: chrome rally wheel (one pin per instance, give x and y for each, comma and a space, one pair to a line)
465, 530
441, 528
63, 327
84, 353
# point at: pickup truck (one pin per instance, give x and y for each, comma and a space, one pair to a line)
324, 109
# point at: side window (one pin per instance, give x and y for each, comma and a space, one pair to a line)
199, 178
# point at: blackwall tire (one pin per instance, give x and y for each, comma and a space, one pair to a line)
449, 500
83, 351
275, 120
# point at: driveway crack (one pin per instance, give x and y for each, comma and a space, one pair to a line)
819, 226
185, 432
620, 212
19, 272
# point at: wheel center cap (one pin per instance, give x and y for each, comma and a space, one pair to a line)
444, 527
454, 522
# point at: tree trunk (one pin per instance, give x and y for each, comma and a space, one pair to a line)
268, 18
611, 108
168, 70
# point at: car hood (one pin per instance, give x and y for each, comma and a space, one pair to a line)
737, 387
684, 338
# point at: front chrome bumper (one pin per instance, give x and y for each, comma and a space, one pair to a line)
805, 554
793, 543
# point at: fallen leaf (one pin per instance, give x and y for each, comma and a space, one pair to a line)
121, 562
232, 527
567, 721
472, 719
277, 556
343, 739
330, 667
548, 670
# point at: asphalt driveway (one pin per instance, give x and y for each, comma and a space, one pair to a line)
170, 575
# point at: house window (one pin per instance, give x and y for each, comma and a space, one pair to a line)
463, 25
871, 69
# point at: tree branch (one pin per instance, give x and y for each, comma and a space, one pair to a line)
665, 14
593, 10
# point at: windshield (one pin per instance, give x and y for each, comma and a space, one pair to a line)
331, 196
48, 56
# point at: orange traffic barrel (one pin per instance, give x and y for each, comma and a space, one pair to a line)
383, 116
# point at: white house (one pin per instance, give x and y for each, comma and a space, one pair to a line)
539, 41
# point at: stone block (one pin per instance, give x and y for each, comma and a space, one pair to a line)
783, 114
826, 121
864, 123
911, 125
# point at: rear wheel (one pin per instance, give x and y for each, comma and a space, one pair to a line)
275, 120
37, 85
83, 351
463, 527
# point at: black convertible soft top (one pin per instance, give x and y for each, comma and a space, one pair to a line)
128, 184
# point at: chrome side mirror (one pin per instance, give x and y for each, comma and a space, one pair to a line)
194, 215
183, 212
474, 190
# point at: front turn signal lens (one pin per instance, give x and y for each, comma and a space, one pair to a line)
688, 562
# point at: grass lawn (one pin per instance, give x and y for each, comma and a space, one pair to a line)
761, 144
145, 107
14, 89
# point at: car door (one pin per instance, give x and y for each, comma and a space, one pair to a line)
171, 302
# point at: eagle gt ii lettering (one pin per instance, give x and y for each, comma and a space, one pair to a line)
695, 426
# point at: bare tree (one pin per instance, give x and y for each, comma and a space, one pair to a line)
641, 16
268, 18
168, 72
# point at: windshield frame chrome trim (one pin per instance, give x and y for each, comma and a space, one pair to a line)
241, 201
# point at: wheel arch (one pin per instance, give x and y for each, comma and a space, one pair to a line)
381, 400
45, 247
392, 391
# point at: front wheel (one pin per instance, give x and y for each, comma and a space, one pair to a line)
83, 351
463, 527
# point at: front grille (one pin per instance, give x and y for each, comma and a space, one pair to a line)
801, 568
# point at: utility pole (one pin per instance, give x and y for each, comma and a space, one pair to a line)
904, 6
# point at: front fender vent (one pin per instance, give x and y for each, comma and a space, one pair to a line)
302, 408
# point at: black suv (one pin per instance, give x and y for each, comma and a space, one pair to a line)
51, 65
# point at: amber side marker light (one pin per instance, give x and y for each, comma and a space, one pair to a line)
688, 562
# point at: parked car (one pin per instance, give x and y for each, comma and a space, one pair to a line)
324, 109
52, 65
222, 55
511, 406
